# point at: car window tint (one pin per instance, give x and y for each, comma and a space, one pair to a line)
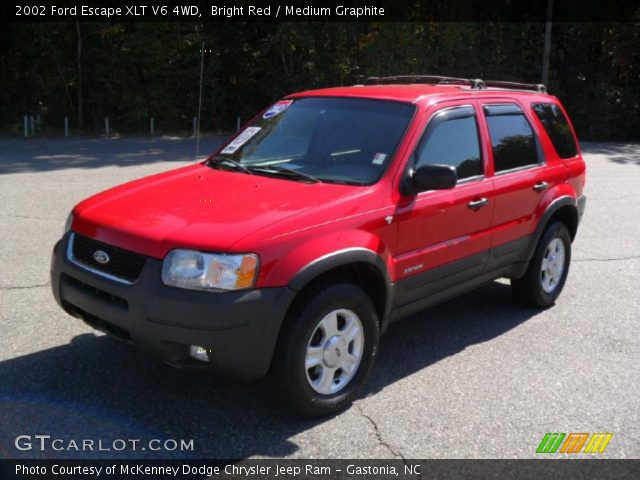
453, 142
557, 127
513, 141
343, 140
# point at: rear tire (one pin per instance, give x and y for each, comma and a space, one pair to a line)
327, 348
545, 278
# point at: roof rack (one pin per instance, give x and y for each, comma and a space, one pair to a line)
428, 79
476, 83
537, 87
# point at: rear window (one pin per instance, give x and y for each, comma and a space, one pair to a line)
557, 127
512, 138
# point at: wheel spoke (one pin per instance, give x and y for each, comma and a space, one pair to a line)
545, 280
329, 325
351, 330
325, 381
314, 357
349, 363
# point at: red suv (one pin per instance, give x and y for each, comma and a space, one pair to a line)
331, 214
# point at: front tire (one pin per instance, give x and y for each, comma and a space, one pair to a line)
328, 346
545, 278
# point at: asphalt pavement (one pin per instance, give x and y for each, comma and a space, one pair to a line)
478, 377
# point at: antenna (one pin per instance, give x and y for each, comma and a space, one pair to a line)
200, 102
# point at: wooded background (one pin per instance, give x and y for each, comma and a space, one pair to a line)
133, 71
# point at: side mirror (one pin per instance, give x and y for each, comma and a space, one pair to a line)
430, 177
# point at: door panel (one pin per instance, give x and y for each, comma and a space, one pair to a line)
436, 228
516, 201
439, 228
522, 176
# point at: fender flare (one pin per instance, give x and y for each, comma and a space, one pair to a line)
553, 207
341, 258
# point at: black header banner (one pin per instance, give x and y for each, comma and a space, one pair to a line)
323, 11
319, 469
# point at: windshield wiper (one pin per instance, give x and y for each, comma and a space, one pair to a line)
228, 161
345, 182
289, 172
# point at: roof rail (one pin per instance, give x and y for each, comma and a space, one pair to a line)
477, 83
428, 79
537, 87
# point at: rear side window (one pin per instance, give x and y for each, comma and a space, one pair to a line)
557, 127
452, 139
512, 138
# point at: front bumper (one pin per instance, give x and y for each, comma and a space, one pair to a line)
239, 329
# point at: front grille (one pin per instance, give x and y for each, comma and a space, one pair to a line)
122, 264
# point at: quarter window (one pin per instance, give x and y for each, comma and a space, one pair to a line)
557, 127
452, 139
512, 138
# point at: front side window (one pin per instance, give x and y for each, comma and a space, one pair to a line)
452, 139
335, 140
557, 127
512, 138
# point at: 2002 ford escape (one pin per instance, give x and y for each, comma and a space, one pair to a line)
331, 214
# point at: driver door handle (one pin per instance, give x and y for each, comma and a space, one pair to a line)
476, 204
540, 186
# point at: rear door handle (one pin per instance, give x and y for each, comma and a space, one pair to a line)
476, 204
540, 186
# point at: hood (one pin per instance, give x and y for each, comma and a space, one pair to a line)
195, 207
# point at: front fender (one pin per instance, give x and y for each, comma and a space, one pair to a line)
337, 259
318, 255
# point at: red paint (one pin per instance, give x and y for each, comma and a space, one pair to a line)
290, 224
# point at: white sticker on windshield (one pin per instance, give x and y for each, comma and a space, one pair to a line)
379, 158
241, 139
277, 108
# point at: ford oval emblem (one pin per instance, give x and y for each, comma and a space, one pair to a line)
101, 257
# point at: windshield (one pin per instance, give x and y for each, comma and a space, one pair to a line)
339, 140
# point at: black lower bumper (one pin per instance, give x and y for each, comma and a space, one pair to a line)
238, 329
581, 204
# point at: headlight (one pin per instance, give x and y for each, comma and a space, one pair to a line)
67, 224
207, 271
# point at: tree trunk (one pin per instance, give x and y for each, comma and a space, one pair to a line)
79, 67
62, 77
547, 44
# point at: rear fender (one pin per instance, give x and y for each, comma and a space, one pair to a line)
563, 198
